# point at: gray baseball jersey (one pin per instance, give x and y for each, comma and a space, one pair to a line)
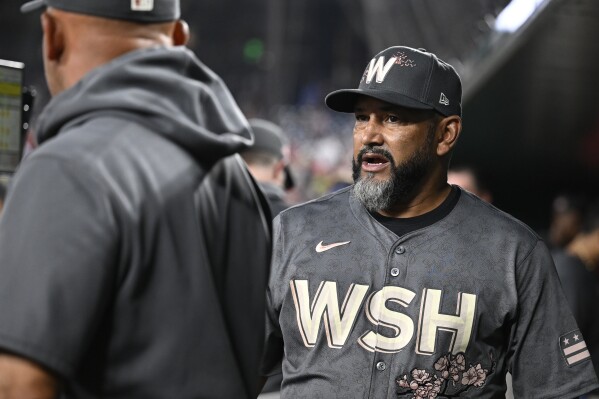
442, 312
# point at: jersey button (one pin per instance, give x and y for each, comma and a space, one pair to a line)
395, 272
400, 250
380, 366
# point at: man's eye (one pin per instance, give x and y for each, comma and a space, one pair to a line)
361, 118
393, 119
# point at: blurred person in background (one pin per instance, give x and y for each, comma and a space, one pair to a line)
578, 267
268, 164
403, 285
469, 179
567, 212
140, 282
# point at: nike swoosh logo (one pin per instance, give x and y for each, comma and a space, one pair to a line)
321, 248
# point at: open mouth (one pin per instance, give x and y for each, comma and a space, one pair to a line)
372, 162
374, 159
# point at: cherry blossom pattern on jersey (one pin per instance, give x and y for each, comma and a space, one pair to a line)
449, 379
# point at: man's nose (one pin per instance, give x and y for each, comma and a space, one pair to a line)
372, 133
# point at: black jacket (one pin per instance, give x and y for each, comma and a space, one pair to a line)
275, 197
134, 246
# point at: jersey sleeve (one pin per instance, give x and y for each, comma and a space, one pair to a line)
273, 348
547, 357
57, 262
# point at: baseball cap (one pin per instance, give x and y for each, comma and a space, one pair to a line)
408, 77
270, 138
144, 11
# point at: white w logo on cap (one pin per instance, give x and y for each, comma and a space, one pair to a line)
379, 68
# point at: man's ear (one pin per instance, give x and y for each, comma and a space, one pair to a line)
450, 128
181, 33
54, 39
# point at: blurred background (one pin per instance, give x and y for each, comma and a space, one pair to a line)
529, 70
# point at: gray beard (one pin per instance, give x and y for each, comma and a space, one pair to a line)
375, 195
378, 195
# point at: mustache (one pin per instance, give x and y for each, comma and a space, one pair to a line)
374, 150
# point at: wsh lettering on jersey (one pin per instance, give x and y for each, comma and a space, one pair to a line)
338, 321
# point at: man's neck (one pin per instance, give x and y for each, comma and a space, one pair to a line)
422, 202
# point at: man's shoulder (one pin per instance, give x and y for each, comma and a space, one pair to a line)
121, 157
103, 136
334, 202
119, 149
492, 220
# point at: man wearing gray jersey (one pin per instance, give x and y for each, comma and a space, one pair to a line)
405, 286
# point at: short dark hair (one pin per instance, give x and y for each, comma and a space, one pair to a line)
570, 202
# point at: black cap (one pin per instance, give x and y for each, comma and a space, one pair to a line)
143, 11
268, 137
411, 78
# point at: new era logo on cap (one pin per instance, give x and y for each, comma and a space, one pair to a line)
443, 100
142, 5
574, 348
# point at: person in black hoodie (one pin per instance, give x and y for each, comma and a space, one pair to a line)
134, 247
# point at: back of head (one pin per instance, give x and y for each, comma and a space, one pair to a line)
268, 142
266, 158
566, 218
82, 35
140, 11
565, 203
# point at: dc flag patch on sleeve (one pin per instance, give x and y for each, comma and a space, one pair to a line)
574, 348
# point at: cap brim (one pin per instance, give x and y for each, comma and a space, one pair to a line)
345, 100
33, 5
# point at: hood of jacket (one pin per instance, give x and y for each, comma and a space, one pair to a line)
166, 89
